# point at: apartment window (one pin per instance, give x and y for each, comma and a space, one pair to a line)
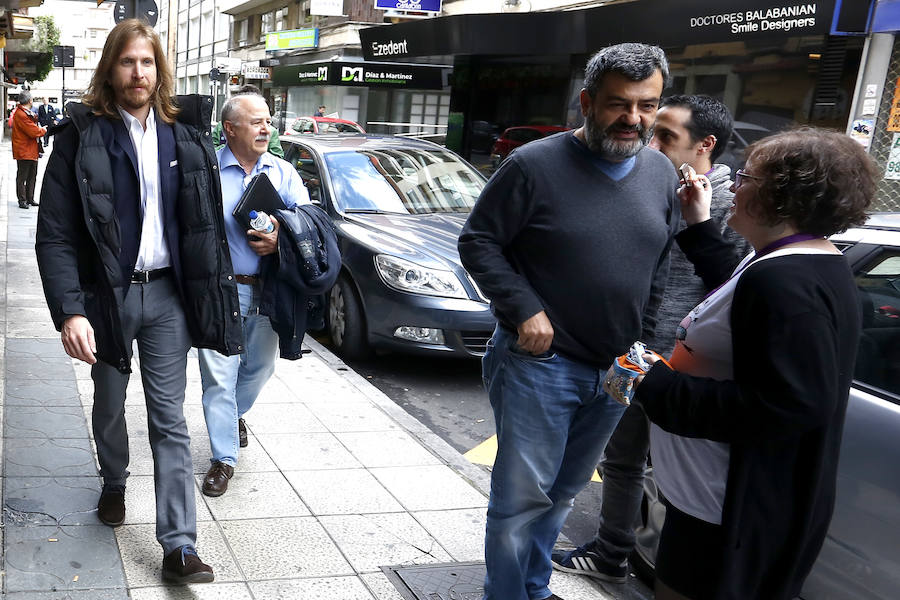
267, 25
281, 19
182, 36
92, 56
242, 28
92, 33
194, 33
207, 30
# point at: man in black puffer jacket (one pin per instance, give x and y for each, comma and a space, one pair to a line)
130, 247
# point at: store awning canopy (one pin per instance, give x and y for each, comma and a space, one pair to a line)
661, 22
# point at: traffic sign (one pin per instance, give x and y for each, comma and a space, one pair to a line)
63, 56
145, 10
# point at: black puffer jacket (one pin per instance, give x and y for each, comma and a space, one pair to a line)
80, 237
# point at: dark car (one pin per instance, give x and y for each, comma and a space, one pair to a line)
859, 559
398, 205
514, 137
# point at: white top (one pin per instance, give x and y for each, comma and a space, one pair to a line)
153, 252
692, 473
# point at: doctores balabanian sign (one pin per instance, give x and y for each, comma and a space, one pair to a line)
661, 22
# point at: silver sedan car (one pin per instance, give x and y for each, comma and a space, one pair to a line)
860, 559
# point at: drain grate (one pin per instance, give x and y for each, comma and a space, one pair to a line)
447, 581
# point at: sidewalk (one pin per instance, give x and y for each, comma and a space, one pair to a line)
337, 480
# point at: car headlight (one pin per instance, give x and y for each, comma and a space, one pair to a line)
409, 277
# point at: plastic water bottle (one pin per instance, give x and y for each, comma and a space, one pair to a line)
261, 222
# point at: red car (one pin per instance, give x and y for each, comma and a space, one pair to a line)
514, 137
322, 125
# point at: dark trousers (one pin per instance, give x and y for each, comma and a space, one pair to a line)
25, 178
151, 314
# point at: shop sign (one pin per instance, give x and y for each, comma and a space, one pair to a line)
291, 39
892, 170
256, 72
417, 5
229, 64
326, 8
894, 116
362, 74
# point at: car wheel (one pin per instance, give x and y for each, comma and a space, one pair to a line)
648, 529
346, 322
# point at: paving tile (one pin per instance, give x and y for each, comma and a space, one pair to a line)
33, 562
41, 393
460, 532
56, 422
576, 587
429, 488
307, 451
381, 587
373, 541
340, 417
282, 418
342, 491
41, 369
70, 594
32, 457
51, 500
204, 591
284, 548
256, 496
142, 555
140, 501
343, 588
387, 449
40, 347
32, 323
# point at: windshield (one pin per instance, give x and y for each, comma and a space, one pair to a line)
403, 180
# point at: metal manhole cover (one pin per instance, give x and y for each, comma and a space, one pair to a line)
447, 581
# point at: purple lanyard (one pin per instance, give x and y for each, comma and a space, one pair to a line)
768, 249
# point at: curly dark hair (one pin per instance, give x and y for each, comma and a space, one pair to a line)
820, 181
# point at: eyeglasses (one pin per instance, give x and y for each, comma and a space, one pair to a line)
740, 176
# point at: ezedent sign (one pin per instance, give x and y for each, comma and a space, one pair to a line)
796, 17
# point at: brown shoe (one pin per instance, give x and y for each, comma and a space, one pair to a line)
242, 433
111, 506
216, 481
182, 565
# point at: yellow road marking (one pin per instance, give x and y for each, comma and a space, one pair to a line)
485, 453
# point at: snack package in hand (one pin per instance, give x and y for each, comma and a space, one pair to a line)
620, 378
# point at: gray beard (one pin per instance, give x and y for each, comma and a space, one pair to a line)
599, 141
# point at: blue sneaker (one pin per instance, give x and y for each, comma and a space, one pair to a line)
584, 560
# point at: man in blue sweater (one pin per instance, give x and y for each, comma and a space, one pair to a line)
570, 240
693, 130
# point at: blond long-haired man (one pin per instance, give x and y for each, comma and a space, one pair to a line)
129, 248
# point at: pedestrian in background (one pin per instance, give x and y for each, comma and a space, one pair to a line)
26, 148
570, 240
231, 384
693, 130
746, 424
128, 249
47, 116
320, 112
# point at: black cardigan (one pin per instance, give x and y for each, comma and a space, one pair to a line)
795, 327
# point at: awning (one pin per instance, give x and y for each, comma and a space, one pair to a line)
662, 22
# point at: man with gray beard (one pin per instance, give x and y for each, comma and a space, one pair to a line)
570, 241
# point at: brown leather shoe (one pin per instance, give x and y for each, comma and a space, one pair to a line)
182, 566
242, 433
111, 506
215, 483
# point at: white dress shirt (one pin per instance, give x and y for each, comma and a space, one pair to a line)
153, 252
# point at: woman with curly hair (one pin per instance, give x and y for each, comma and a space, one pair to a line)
747, 423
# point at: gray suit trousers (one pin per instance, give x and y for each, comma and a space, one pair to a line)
151, 314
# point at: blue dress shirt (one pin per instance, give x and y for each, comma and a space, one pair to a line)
284, 178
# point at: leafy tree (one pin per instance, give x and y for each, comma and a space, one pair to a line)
46, 35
